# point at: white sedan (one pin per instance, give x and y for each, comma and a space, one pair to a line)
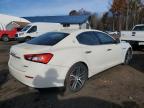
66, 58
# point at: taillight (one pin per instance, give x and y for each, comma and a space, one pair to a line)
40, 58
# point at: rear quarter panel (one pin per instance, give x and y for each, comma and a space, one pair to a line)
125, 46
67, 56
67, 53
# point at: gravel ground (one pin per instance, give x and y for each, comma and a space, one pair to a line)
119, 87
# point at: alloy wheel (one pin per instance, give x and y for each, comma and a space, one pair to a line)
77, 78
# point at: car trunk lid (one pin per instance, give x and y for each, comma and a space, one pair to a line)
17, 53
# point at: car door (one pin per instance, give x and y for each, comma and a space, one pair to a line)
111, 48
138, 33
92, 51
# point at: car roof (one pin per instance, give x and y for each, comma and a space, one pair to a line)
139, 25
70, 31
43, 23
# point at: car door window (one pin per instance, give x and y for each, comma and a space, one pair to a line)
104, 38
33, 29
88, 38
139, 28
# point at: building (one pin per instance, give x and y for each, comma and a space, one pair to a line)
77, 22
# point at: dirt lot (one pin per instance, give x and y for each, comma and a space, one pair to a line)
118, 87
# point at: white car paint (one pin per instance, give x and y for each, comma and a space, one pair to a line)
134, 35
112, 33
66, 53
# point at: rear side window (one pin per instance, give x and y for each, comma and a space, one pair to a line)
139, 28
50, 38
88, 38
104, 38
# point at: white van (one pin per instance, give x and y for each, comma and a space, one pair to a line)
36, 29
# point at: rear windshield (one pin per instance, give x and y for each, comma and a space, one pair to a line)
50, 38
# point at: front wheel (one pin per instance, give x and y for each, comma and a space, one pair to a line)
5, 38
128, 57
76, 77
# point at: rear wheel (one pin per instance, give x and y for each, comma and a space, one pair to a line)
128, 57
76, 77
5, 38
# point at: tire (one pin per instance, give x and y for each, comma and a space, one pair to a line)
128, 57
27, 38
135, 45
5, 38
76, 78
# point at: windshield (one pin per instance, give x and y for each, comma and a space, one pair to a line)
50, 38
10, 27
138, 28
25, 28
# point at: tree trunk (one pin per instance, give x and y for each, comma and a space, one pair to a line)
127, 17
113, 23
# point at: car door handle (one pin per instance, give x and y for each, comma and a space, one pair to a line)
87, 52
133, 33
109, 49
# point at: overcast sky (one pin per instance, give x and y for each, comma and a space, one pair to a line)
50, 7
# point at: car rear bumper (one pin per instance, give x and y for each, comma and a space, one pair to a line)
51, 78
20, 76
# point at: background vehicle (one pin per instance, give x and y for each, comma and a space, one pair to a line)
9, 25
36, 29
135, 37
8, 32
67, 59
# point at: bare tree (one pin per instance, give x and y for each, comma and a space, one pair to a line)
73, 13
92, 16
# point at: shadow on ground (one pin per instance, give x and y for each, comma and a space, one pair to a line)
3, 77
138, 61
51, 100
